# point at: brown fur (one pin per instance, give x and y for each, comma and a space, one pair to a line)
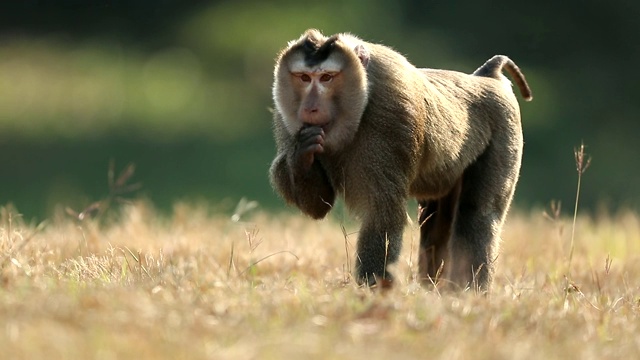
451, 140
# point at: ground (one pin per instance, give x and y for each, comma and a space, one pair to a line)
196, 284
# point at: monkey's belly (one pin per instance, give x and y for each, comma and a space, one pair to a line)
432, 186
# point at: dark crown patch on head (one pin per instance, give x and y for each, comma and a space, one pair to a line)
315, 53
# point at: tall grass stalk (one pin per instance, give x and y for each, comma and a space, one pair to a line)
582, 163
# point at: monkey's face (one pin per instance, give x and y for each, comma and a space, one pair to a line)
317, 88
321, 82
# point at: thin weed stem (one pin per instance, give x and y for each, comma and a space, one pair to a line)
582, 163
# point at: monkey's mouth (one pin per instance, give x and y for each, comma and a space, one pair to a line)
325, 127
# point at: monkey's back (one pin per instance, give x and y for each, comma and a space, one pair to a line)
462, 114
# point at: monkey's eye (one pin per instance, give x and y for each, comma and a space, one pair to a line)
305, 78
326, 77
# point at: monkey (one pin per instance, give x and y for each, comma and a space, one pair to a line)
357, 120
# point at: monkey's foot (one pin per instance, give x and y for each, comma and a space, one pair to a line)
372, 280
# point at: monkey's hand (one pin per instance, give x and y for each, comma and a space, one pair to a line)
310, 142
302, 180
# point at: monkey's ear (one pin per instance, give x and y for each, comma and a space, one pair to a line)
363, 54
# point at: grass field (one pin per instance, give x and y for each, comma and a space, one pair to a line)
196, 285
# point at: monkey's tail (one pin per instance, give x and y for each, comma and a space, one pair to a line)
493, 68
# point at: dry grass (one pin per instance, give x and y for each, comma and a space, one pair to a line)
199, 285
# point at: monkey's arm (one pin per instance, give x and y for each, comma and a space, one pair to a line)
300, 178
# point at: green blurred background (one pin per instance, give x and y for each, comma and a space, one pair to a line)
182, 89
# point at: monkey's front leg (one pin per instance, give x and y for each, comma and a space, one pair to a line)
299, 176
379, 243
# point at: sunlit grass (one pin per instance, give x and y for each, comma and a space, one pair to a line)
197, 284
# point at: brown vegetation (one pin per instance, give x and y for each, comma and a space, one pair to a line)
200, 285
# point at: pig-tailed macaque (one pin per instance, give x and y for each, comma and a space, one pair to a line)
358, 120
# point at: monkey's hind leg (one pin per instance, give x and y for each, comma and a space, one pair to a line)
487, 189
436, 220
